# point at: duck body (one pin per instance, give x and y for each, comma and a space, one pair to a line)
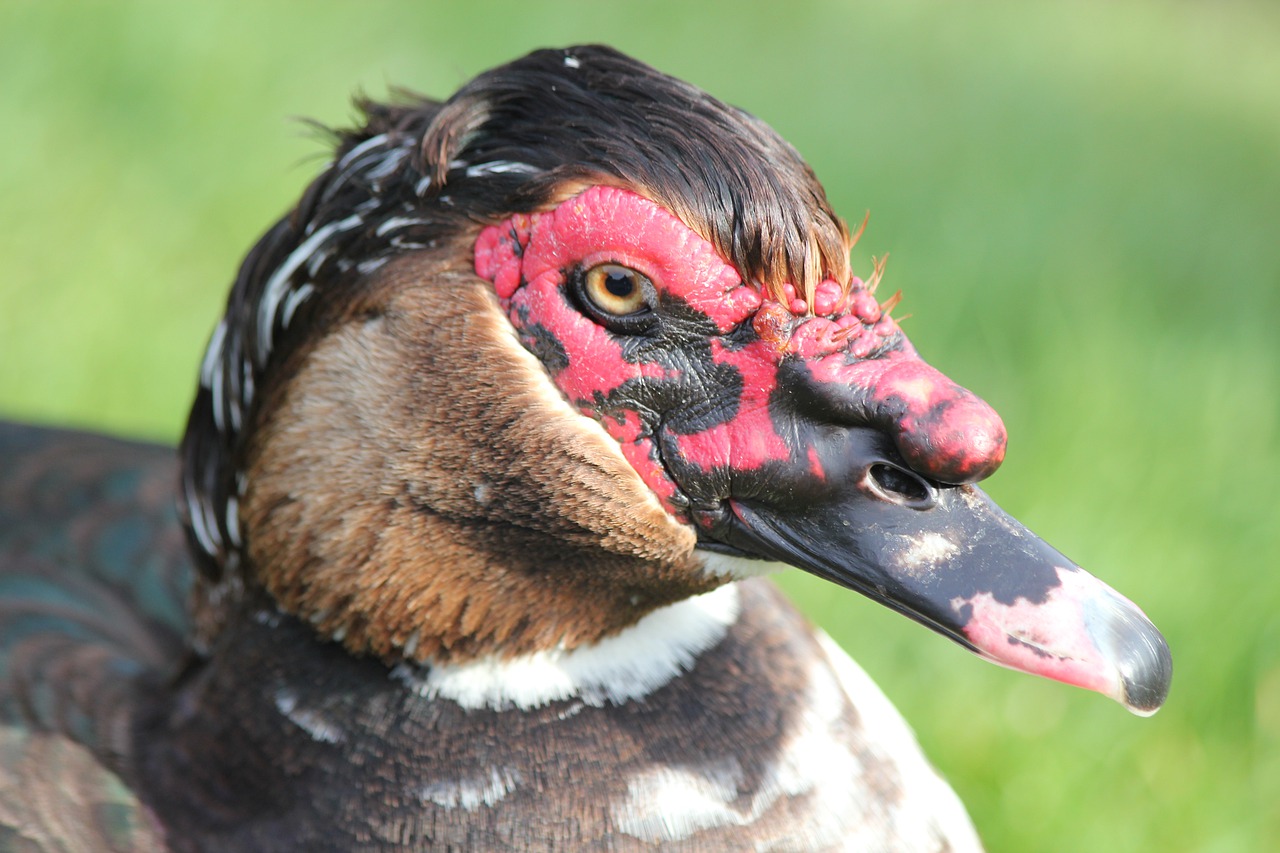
327, 752
499, 429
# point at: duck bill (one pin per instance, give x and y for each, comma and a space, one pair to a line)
954, 561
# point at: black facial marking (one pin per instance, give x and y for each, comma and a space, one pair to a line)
540, 341
700, 394
681, 334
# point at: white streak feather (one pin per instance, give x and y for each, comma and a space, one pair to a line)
629, 665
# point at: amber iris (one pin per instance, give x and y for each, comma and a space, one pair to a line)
617, 290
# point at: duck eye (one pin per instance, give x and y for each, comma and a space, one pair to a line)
618, 297
616, 289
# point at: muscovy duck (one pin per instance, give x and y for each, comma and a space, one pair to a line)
499, 429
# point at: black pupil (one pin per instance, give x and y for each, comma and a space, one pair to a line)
619, 283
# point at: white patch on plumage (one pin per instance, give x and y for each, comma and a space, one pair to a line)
371, 162
218, 394
573, 709
281, 281
402, 243
320, 727
926, 793
671, 804
501, 167
629, 665
211, 371
410, 646
270, 618
294, 299
351, 156
372, 265
718, 565
318, 260
246, 390
231, 515
469, 794
213, 354
202, 523
820, 769
391, 161
391, 223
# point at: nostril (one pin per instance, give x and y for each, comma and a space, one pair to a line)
900, 486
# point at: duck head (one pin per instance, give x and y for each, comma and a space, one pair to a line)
581, 342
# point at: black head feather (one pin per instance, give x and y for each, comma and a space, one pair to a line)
589, 113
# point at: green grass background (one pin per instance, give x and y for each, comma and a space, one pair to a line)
1082, 202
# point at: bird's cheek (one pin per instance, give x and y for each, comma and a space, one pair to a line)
587, 364
584, 360
745, 439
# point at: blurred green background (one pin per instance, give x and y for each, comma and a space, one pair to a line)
1082, 202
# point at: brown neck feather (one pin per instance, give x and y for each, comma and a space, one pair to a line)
417, 488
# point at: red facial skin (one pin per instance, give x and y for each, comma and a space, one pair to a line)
854, 352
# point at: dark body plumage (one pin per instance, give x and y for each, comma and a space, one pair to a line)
94, 581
